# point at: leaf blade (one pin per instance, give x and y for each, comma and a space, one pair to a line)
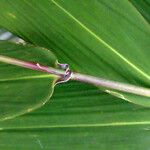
72, 120
108, 49
23, 90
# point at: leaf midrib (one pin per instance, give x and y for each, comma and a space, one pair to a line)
113, 124
102, 41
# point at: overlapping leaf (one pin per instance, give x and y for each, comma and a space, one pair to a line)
108, 39
143, 7
23, 90
79, 116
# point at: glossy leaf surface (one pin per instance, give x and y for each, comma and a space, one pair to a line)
143, 6
79, 116
108, 39
23, 90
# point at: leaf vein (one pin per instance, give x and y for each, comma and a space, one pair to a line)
102, 41
27, 77
113, 124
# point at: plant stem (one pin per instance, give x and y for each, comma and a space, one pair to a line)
30, 65
79, 77
111, 84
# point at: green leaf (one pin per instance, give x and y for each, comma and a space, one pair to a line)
79, 117
23, 90
143, 7
108, 39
